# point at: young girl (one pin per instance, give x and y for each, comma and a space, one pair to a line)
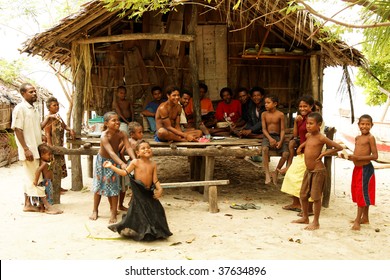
54, 132
145, 219
45, 186
105, 181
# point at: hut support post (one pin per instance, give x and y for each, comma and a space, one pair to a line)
194, 65
314, 70
328, 166
57, 172
78, 108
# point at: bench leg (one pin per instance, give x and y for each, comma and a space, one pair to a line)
208, 174
213, 199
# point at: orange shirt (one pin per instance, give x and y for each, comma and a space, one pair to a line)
206, 106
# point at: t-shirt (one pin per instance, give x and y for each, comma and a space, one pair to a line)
232, 110
153, 105
26, 117
206, 106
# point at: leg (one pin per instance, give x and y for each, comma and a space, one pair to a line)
291, 149
122, 195
265, 156
281, 162
113, 200
50, 209
364, 219
96, 201
315, 224
305, 216
166, 135
294, 206
28, 207
356, 223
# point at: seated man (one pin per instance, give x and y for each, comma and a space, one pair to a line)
253, 127
206, 108
228, 113
168, 121
150, 110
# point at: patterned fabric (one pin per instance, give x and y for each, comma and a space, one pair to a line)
57, 138
105, 181
47, 184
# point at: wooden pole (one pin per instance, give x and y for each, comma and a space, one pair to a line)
78, 109
194, 69
314, 77
328, 166
57, 172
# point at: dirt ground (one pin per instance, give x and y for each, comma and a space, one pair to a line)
231, 234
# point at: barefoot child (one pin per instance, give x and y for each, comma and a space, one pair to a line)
315, 175
45, 186
105, 182
136, 133
145, 219
363, 177
273, 130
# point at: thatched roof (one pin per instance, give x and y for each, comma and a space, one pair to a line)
9, 92
94, 20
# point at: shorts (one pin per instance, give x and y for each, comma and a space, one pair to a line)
363, 185
313, 184
280, 151
105, 181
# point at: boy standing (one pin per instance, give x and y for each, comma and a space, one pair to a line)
315, 175
273, 129
363, 177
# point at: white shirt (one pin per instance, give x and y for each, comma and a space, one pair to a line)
26, 117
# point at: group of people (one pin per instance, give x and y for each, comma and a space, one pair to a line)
254, 114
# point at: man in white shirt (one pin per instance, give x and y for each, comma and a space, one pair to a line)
28, 131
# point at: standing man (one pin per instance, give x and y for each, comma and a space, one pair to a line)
122, 107
28, 132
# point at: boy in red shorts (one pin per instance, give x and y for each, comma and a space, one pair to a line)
363, 177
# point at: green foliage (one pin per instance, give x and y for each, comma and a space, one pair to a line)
9, 71
139, 6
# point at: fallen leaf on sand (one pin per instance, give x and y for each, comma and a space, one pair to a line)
190, 240
175, 243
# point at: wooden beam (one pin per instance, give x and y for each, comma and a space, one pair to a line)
137, 36
195, 184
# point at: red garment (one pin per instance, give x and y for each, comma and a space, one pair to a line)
363, 185
302, 129
206, 106
232, 110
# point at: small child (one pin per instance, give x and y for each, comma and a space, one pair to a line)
145, 219
363, 176
45, 186
273, 130
136, 133
106, 182
315, 175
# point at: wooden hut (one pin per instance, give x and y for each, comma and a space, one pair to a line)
256, 44
9, 97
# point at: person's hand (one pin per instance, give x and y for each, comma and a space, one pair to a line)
320, 157
278, 145
72, 134
272, 143
107, 164
299, 150
245, 132
29, 155
298, 118
157, 193
190, 138
35, 183
123, 165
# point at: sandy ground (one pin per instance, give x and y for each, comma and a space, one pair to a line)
231, 234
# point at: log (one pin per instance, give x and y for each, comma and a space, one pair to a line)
213, 199
137, 36
169, 152
328, 166
194, 184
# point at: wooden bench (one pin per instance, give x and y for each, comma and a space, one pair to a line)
212, 190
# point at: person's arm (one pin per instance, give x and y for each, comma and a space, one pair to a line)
47, 131
107, 146
47, 119
301, 147
19, 134
127, 147
332, 150
157, 193
148, 113
38, 173
67, 128
166, 123
122, 172
219, 112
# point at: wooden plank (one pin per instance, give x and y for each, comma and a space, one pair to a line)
199, 52
138, 36
151, 23
174, 26
195, 184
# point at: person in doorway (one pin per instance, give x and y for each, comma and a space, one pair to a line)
123, 108
151, 108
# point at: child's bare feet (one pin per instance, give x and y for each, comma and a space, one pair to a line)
364, 221
301, 221
313, 226
113, 219
94, 216
267, 179
356, 225
53, 211
283, 170
274, 176
30, 208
